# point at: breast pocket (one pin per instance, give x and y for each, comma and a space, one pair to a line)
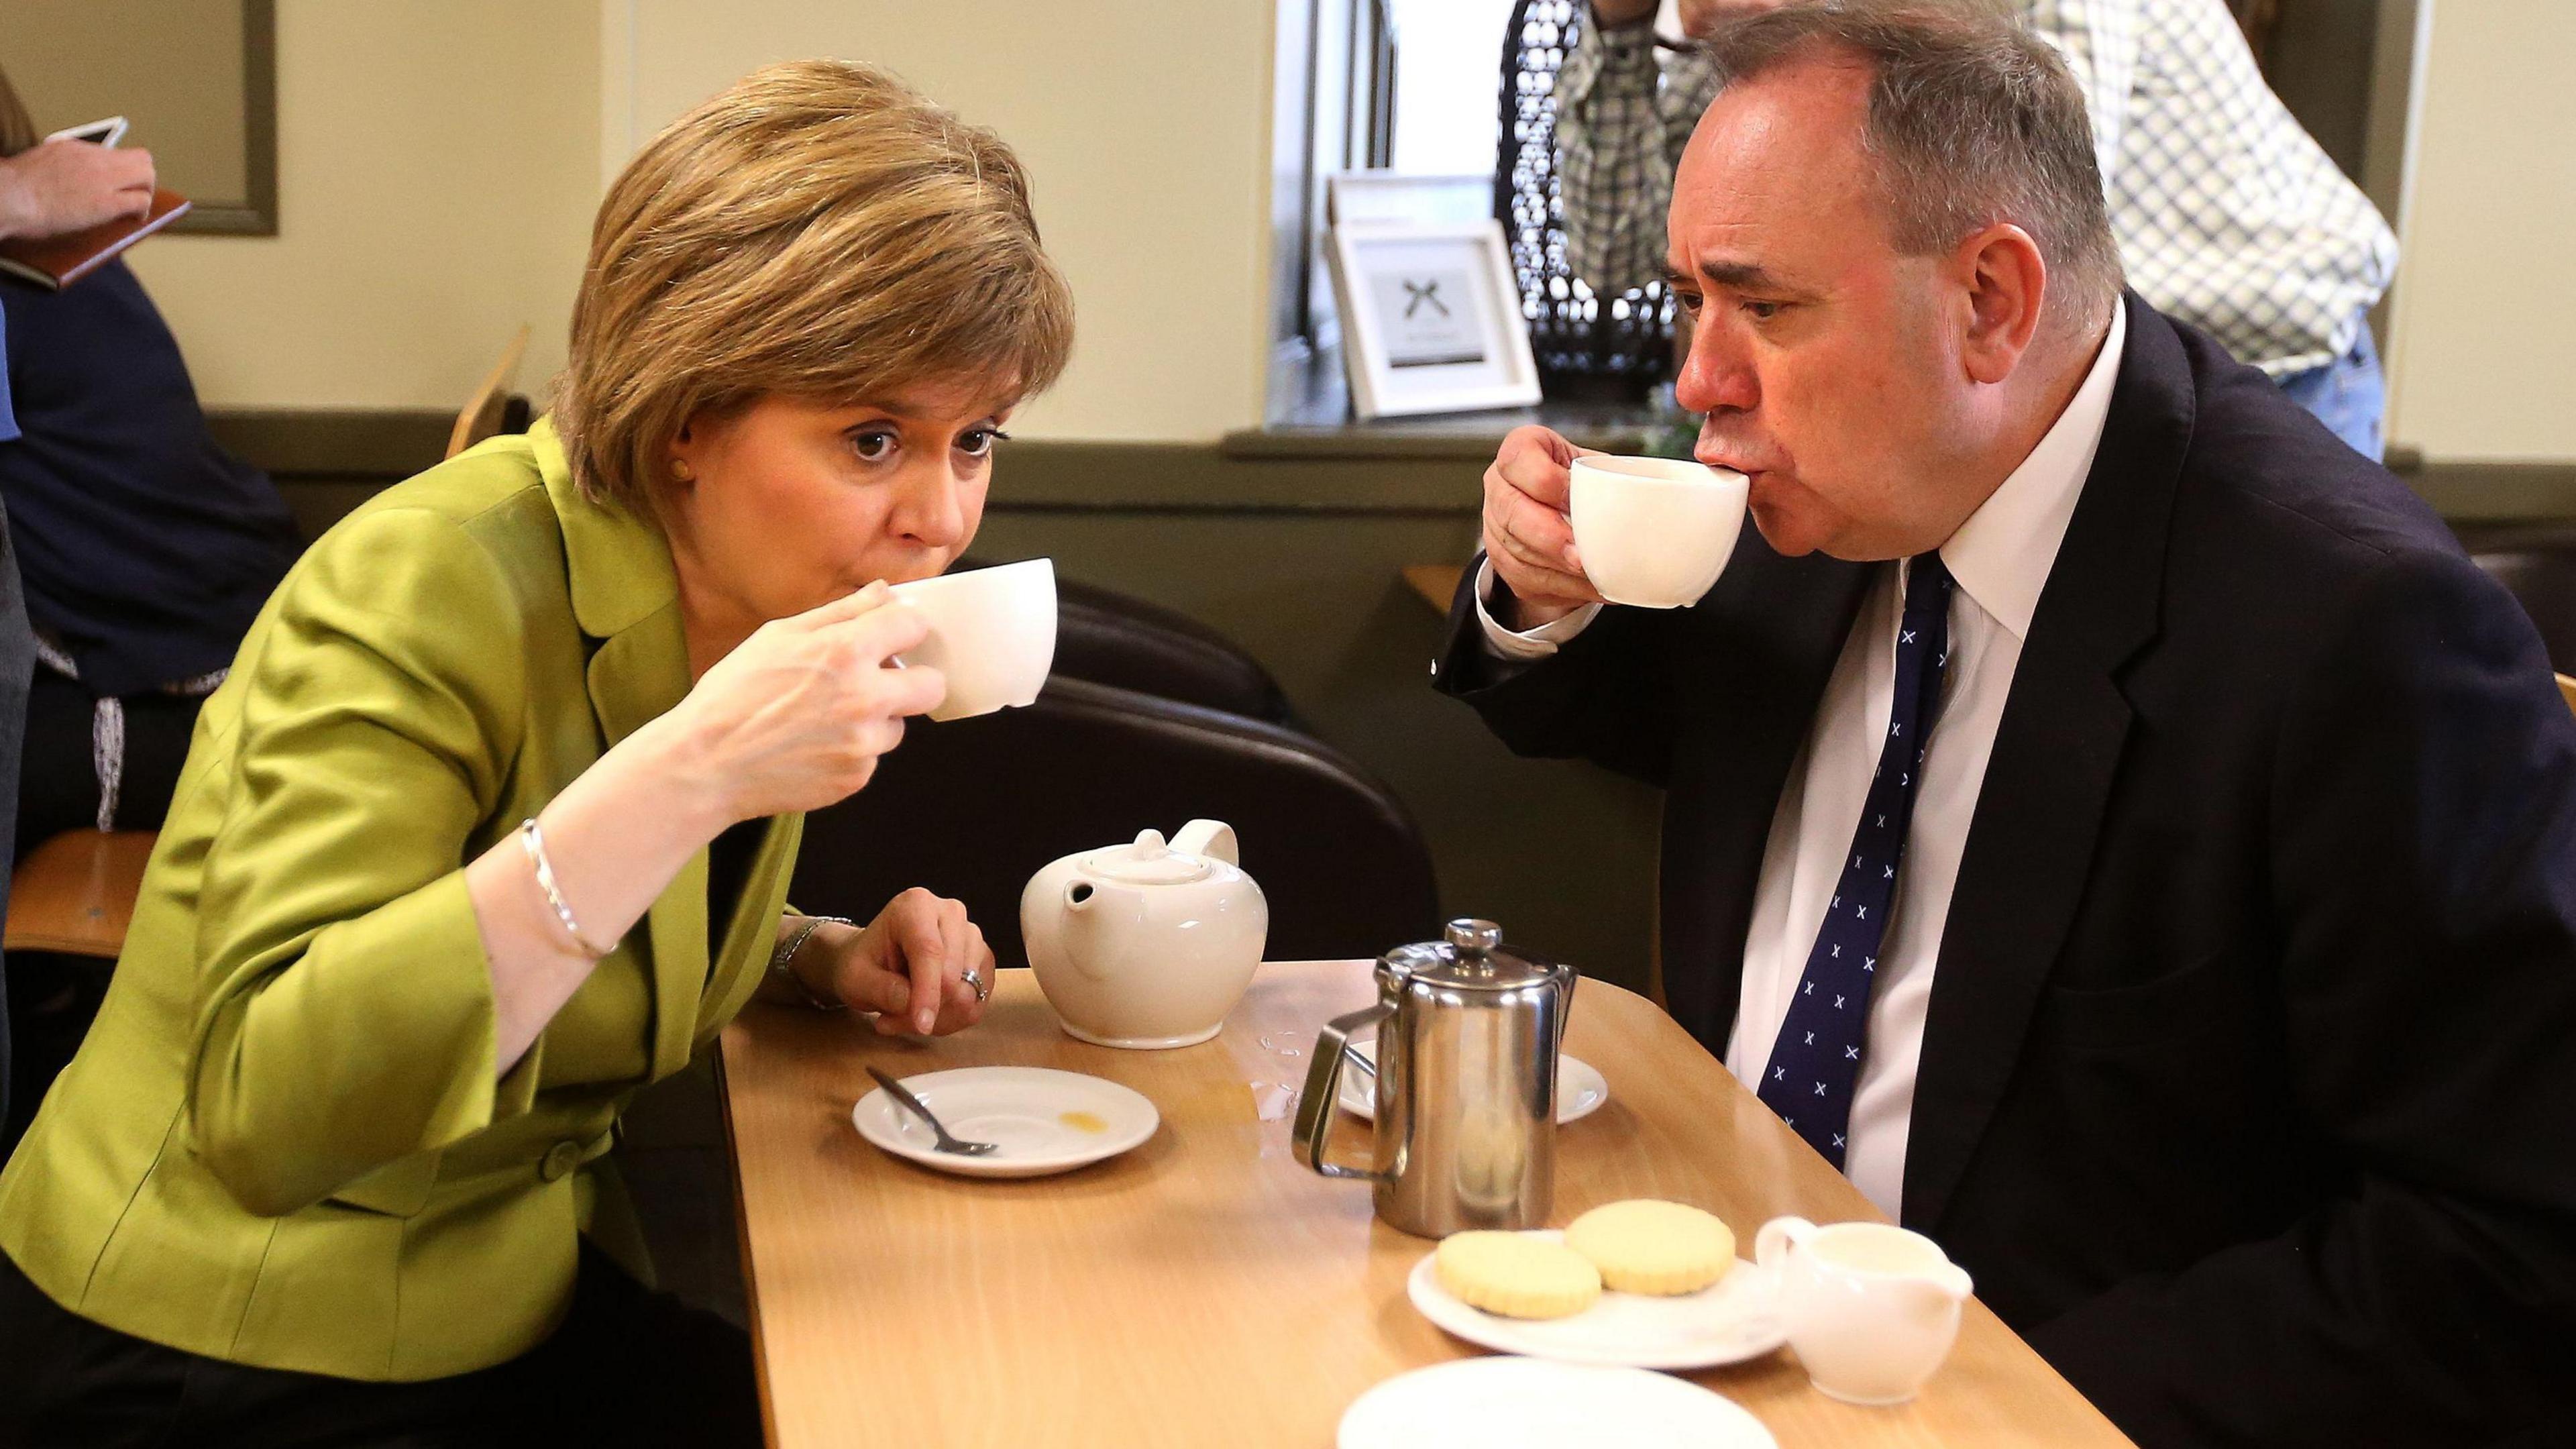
2211, 998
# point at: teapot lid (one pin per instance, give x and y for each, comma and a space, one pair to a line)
1470, 954
1147, 862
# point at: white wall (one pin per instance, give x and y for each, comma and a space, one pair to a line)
1144, 125
2483, 331
436, 176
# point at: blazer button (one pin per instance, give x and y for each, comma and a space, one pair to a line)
561, 1158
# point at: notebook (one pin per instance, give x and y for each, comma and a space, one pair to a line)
55, 262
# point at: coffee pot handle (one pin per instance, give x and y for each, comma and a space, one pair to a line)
1324, 1091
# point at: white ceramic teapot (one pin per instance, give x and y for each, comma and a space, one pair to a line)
1146, 945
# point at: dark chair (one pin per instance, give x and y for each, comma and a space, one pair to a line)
972, 808
1116, 639
2543, 577
1109, 638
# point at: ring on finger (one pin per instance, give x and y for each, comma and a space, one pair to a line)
975, 982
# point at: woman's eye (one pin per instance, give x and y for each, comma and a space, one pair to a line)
978, 442
873, 446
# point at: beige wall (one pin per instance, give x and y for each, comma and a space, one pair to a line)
2483, 356
1143, 122
439, 161
436, 175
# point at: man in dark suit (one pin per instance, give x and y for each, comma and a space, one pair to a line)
2106, 817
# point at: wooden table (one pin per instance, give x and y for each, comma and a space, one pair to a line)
1206, 1289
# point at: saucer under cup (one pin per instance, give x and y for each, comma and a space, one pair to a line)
992, 634
1654, 533
1040, 1120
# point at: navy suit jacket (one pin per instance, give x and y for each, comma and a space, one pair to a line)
2248, 1085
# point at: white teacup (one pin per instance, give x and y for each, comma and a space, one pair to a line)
992, 633
1654, 532
1872, 1309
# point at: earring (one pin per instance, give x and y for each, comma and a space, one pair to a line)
680, 472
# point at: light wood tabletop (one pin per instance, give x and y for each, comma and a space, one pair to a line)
1206, 1288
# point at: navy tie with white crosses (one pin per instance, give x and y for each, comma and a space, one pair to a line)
1816, 1061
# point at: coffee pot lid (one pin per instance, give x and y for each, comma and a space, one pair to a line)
1470, 954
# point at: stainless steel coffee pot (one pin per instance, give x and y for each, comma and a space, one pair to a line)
1467, 1041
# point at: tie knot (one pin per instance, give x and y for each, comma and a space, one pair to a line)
1927, 585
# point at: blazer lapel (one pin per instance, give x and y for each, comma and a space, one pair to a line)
626, 595
2057, 749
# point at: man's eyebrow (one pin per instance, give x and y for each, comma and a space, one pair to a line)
1738, 274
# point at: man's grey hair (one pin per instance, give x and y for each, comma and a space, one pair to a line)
1972, 121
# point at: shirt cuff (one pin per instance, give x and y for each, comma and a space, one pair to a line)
1536, 643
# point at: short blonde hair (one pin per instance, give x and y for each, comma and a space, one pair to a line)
819, 230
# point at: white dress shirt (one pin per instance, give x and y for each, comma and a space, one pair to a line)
2000, 559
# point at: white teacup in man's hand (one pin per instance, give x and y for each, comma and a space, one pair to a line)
992, 633
1654, 532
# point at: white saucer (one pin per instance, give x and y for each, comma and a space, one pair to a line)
1731, 1320
1530, 1403
1580, 1089
1045, 1121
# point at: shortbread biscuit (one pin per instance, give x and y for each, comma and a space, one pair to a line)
1516, 1275
1645, 1246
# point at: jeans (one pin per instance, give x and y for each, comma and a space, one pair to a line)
2347, 395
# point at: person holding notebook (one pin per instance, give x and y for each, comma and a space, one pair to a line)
142, 547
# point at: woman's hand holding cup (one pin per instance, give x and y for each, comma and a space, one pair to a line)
1529, 536
797, 715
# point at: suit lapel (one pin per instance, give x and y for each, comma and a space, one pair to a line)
635, 676
2057, 751
626, 595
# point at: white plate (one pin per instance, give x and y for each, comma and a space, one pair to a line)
1731, 1320
1580, 1088
1045, 1121
1531, 1403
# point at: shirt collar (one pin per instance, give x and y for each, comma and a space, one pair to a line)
2001, 556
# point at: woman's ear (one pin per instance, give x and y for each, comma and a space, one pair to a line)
684, 450
2007, 280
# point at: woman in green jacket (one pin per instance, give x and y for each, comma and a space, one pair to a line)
492, 825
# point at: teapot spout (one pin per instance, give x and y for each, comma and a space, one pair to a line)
1211, 839
1093, 909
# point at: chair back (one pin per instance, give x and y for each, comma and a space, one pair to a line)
1117, 639
972, 808
490, 410
1110, 638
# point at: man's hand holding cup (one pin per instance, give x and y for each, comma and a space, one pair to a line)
1654, 532
1529, 532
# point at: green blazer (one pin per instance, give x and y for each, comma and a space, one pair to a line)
283, 1143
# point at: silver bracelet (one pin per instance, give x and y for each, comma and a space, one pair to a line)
533, 842
781, 960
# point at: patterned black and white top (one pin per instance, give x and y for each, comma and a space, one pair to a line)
2229, 216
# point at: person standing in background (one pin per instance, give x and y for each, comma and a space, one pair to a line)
143, 549
17, 662
2229, 216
